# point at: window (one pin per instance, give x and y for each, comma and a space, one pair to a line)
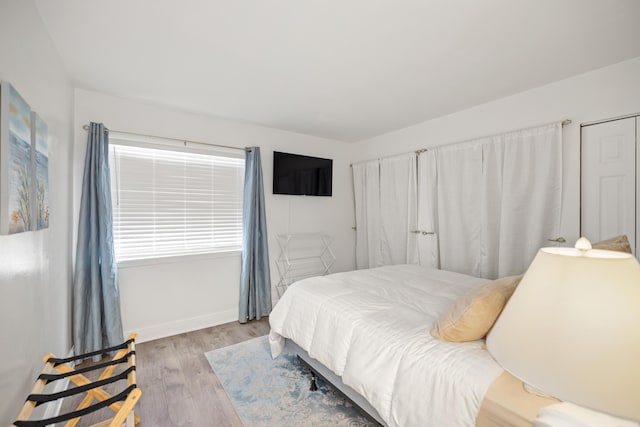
168, 202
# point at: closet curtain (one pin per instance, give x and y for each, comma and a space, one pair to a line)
366, 186
459, 184
255, 276
523, 172
428, 254
96, 300
499, 199
385, 198
398, 210
482, 207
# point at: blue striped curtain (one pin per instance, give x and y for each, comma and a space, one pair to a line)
255, 279
96, 301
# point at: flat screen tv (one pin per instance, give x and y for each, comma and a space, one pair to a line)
301, 175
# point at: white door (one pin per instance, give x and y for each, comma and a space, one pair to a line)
608, 194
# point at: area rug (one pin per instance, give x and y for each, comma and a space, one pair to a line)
275, 392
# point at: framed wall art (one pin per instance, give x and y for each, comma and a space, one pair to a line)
16, 168
40, 169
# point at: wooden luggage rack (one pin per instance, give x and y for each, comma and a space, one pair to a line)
122, 403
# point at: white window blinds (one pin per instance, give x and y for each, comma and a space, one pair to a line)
168, 203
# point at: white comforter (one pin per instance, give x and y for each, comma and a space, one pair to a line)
372, 328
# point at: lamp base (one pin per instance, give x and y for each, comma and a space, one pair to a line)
536, 391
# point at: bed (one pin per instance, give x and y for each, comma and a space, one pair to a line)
368, 331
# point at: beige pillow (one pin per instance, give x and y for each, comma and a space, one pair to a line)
472, 315
618, 243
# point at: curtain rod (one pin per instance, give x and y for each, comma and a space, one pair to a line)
565, 122
185, 141
416, 152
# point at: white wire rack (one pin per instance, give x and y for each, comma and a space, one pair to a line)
302, 256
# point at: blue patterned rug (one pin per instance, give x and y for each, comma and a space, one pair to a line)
268, 392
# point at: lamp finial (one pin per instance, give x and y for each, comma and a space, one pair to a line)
583, 245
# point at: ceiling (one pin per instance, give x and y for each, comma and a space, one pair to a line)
341, 69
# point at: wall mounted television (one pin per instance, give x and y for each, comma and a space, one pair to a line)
301, 175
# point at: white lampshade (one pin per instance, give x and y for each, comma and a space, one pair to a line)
572, 329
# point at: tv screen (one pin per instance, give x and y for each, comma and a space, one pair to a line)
301, 175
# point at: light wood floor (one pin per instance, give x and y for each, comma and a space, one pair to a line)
178, 385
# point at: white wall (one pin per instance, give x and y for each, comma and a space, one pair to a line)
164, 299
603, 93
35, 266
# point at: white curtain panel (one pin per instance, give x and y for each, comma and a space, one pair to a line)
459, 208
491, 208
523, 171
492, 203
499, 199
427, 210
366, 188
398, 209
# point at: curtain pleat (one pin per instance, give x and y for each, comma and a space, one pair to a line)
255, 278
96, 315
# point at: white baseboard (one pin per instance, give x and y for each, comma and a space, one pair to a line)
52, 409
168, 329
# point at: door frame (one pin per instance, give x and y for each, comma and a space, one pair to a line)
637, 164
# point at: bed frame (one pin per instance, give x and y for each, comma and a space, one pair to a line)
319, 369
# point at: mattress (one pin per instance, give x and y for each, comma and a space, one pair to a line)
372, 328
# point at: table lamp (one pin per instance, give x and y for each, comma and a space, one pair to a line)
571, 330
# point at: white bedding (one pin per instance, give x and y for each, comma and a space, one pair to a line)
372, 328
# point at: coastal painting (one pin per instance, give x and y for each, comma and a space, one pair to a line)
15, 162
40, 167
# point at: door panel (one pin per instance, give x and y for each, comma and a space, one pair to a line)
608, 193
